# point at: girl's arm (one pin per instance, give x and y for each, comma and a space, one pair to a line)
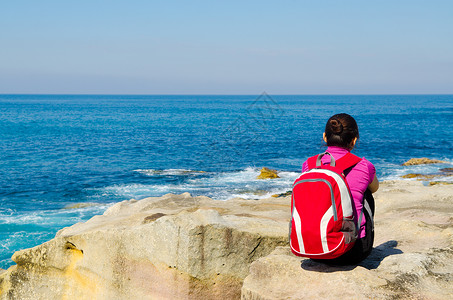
374, 185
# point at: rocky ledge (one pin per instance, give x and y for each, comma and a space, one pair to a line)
183, 247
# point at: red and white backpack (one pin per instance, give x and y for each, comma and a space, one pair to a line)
322, 222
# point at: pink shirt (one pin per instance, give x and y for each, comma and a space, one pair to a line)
360, 176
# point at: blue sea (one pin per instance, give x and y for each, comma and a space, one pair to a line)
65, 158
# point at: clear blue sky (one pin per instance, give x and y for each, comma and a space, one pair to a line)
226, 47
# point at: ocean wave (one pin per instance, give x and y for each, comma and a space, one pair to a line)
395, 172
51, 218
168, 172
244, 183
220, 186
27, 229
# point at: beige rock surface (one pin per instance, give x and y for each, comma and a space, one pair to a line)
173, 247
183, 247
412, 258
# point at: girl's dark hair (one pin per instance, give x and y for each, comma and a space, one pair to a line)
341, 129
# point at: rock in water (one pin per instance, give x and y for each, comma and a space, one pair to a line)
422, 161
267, 173
419, 176
440, 182
285, 194
80, 205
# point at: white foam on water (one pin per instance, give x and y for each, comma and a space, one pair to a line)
168, 172
27, 229
18, 240
52, 217
13, 237
394, 172
220, 186
243, 183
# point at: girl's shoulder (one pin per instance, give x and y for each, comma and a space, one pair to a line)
364, 166
365, 163
364, 169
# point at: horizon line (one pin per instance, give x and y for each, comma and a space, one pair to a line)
234, 94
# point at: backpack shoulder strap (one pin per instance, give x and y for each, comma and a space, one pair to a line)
347, 161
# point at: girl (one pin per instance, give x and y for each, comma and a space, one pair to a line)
341, 135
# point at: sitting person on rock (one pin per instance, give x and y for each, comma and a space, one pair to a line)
341, 134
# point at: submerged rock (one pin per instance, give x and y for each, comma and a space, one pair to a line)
285, 194
80, 205
440, 182
267, 173
419, 176
427, 177
252, 191
422, 161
